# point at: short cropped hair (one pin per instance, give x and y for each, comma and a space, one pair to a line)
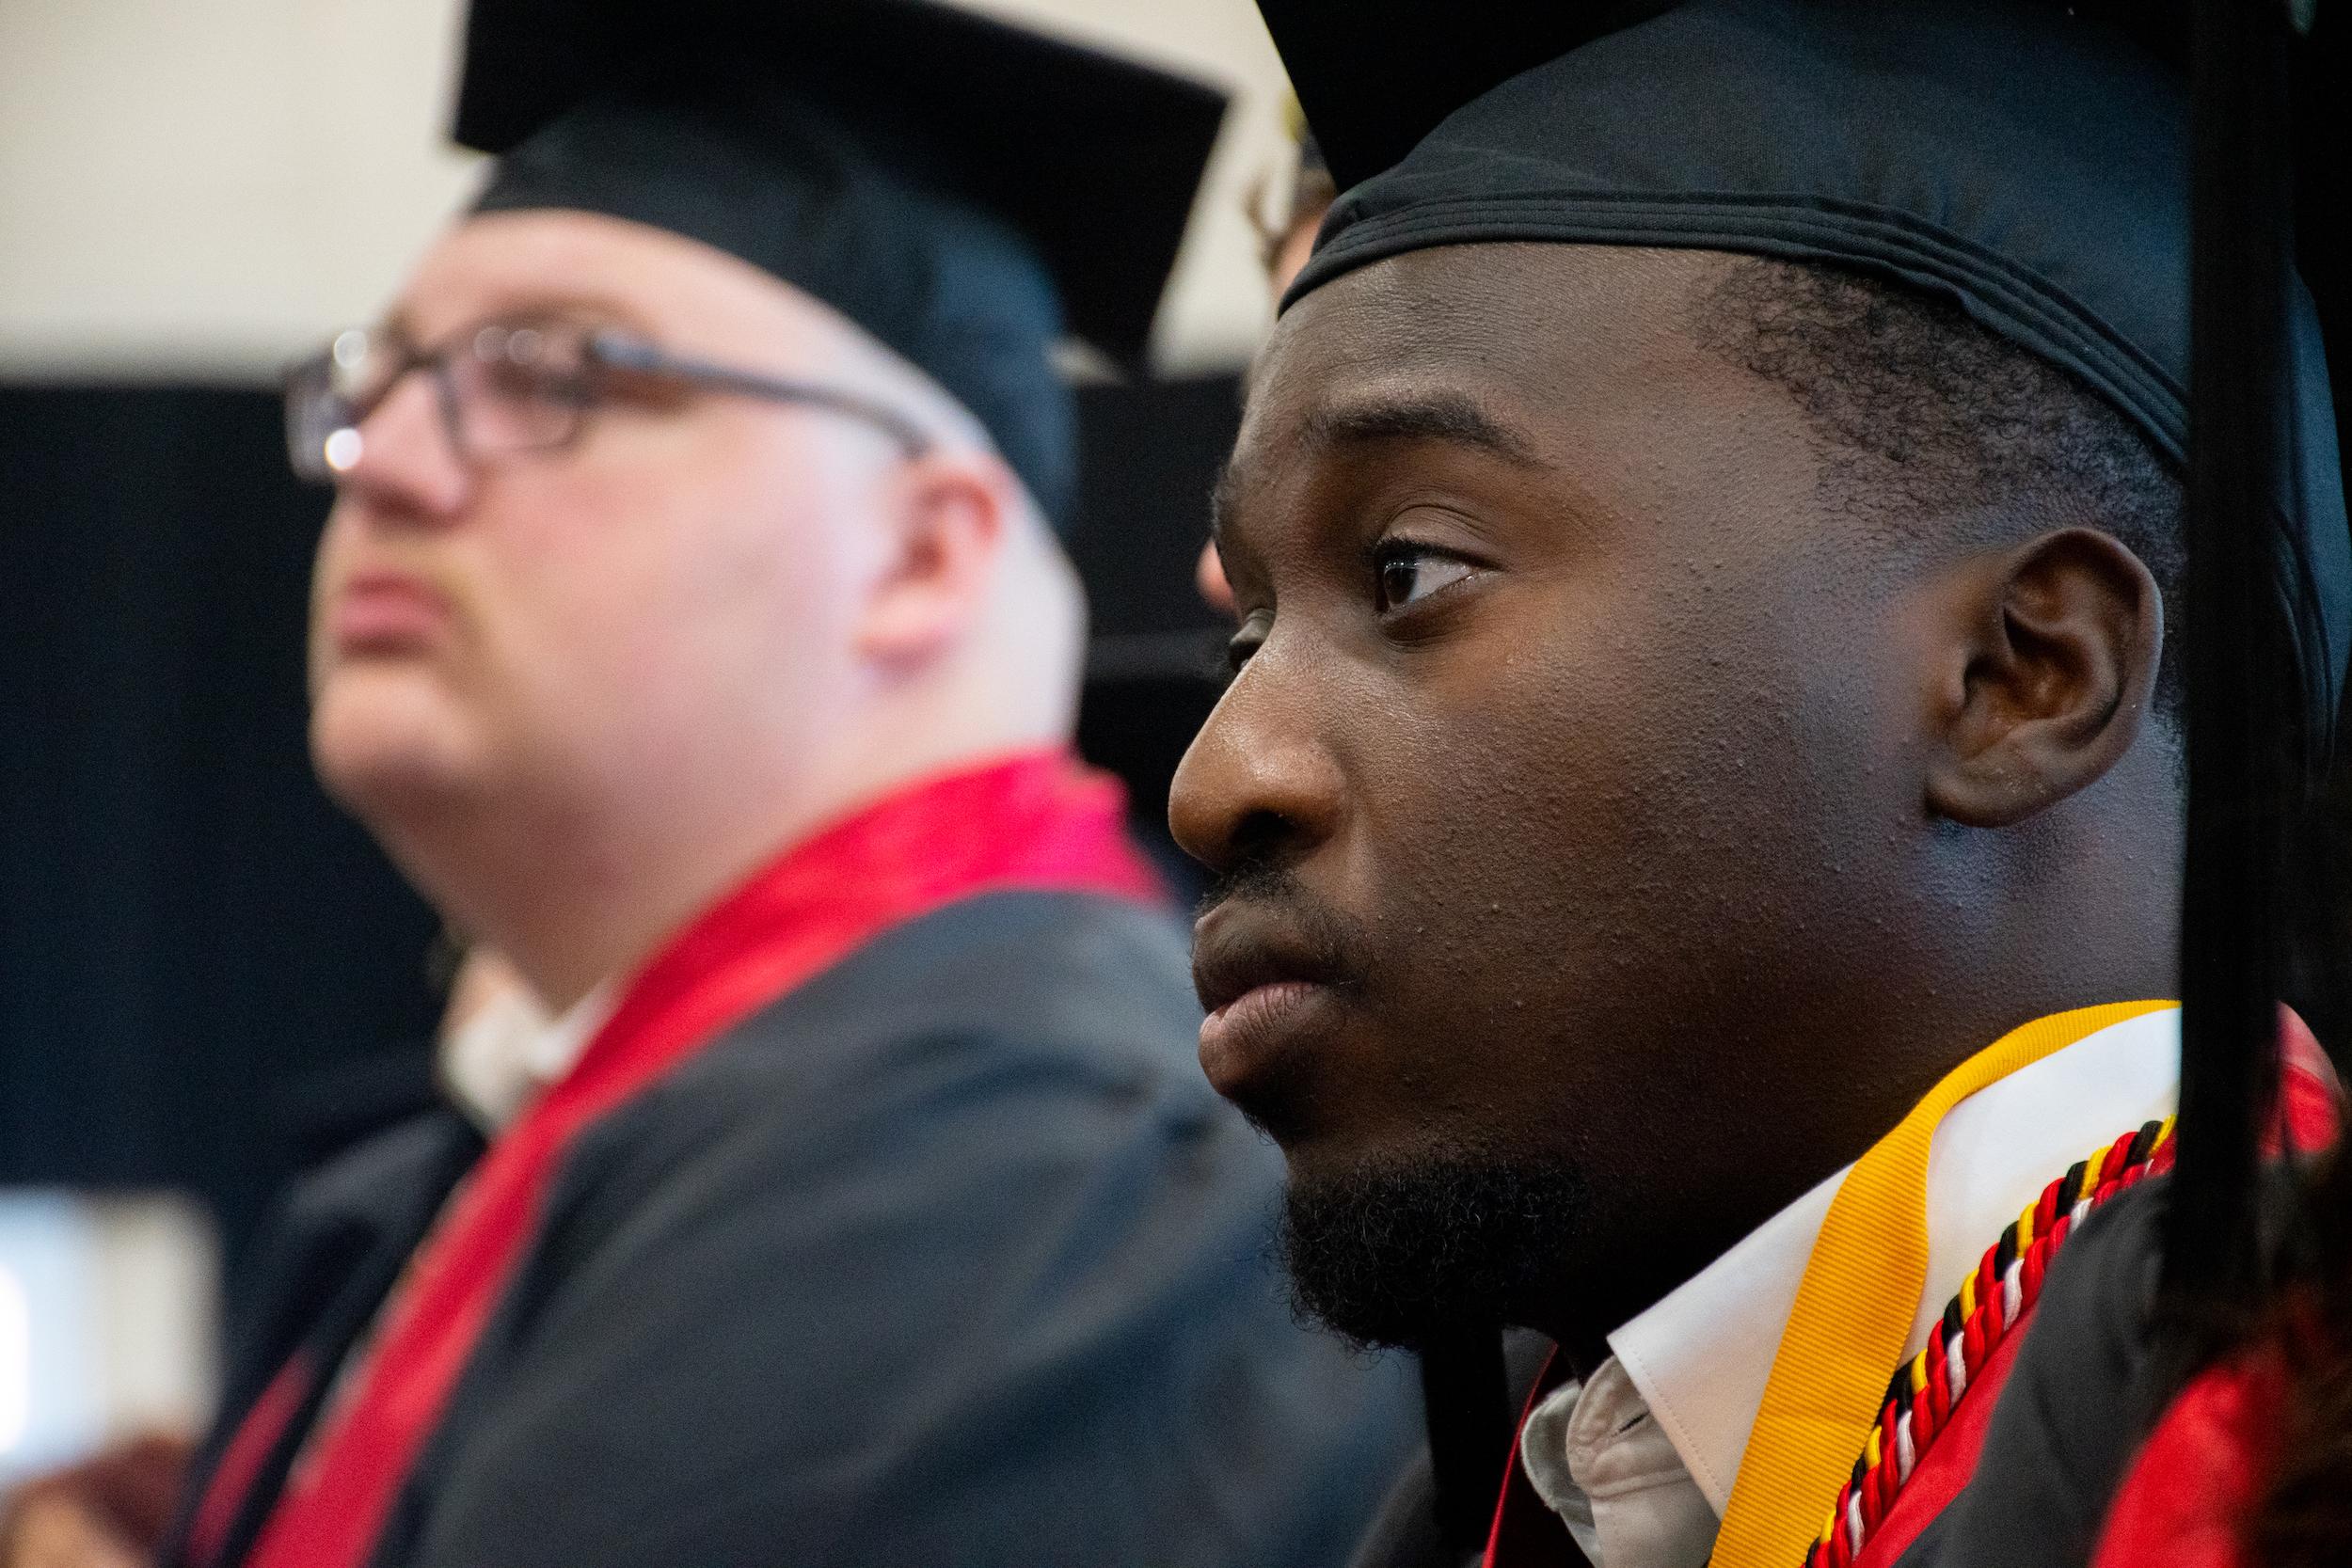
1930, 420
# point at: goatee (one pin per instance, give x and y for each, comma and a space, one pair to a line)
1406, 1252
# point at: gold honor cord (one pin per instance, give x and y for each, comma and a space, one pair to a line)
1860, 1290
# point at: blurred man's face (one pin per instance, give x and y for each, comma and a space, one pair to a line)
628, 619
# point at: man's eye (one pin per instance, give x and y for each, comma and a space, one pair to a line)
1407, 574
535, 364
528, 384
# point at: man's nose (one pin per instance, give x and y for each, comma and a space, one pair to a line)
407, 462
1258, 780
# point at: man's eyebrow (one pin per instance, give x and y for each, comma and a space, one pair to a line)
1442, 415
532, 303
572, 305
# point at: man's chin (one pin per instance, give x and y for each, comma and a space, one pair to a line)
1409, 1249
384, 742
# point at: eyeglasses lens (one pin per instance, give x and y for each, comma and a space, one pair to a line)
326, 396
505, 388
521, 387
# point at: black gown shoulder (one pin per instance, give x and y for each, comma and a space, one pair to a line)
949, 1257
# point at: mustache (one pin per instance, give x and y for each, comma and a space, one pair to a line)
1338, 944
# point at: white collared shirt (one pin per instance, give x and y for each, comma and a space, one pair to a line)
1639, 1460
511, 1051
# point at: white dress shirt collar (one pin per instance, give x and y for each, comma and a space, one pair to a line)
510, 1051
1686, 1377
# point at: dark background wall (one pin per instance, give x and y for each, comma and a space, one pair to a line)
206, 970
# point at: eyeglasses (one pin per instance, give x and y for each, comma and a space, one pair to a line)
521, 385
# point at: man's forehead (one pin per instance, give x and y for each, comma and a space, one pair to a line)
1354, 412
1451, 290
562, 261
1577, 360
1481, 346
1503, 316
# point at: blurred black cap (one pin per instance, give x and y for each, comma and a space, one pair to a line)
963, 189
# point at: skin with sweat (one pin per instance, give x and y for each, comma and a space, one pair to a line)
1598, 797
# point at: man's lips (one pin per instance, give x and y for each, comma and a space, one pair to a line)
1241, 1040
1265, 992
386, 612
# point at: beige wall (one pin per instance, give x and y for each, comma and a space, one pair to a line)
197, 188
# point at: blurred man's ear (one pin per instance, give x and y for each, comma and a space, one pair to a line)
952, 514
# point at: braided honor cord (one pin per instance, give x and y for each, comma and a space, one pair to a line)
1992, 1301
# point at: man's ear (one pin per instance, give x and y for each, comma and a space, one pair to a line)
951, 512
2047, 682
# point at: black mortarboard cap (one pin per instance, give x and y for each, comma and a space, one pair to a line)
965, 190
2026, 160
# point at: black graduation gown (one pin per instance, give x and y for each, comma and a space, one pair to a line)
2087, 1386
948, 1257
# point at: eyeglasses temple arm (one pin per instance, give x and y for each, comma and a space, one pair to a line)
619, 353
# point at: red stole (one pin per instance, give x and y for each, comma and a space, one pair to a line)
1037, 822
2197, 1483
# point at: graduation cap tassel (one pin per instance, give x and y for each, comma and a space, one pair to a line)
2245, 724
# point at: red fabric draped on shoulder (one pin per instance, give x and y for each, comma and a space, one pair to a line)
2201, 1475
